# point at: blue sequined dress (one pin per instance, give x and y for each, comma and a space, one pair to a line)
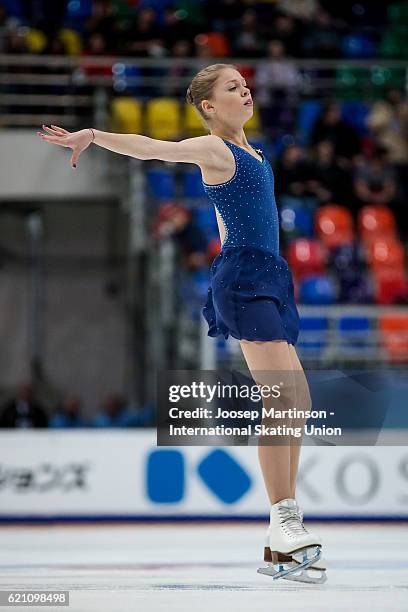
251, 293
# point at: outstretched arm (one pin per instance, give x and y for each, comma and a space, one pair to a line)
201, 149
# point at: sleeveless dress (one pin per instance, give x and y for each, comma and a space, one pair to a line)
251, 292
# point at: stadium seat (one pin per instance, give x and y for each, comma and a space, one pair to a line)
296, 220
213, 248
386, 253
346, 256
35, 40
218, 43
398, 13
308, 113
354, 333
350, 81
192, 184
192, 123
71, 40
383, 78
161, 183
393, 331
253, 125
375, 222
163, 118
313, 335
206, 220
305, 257
390, 286
355, 113
334, 225
355, 287
317, 290
126, 115
358, 46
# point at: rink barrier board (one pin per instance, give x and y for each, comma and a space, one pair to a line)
40, 520
123, 476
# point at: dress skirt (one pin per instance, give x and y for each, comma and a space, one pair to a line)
251, 296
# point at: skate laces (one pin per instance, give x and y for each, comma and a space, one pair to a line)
290, 519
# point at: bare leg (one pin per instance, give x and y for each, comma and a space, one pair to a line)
270, 357
303, 402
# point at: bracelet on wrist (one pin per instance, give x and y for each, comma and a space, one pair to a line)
93, 134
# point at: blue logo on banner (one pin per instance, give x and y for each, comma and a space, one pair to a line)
165, 476
224, 476
218, 470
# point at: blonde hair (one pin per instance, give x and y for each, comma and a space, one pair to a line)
202, 87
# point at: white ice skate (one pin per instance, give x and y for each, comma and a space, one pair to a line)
291, 551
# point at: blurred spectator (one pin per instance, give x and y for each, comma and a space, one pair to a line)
388, 121
15, 43
6, 23
95, 47
345, 139
292, 173
45, 15
375, 180
174, 29
177, 221
69, 414
102, 21
23, 411
179, 69
321, 38
277, 90
145, 37
288, 31
248, 40
115, 413
329, 181
304, 10
224, 15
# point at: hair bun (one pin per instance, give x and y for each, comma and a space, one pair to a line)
189, 96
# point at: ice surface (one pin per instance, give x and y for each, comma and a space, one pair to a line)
202, 567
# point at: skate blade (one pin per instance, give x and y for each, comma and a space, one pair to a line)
306, 575
295, 570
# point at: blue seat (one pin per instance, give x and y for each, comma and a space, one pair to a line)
206, 220
346, 256
192, 185
122, 72
308, 113
358, 46
13, 8
296, 220
353, 332
317, 290
313, 335
355, 113
161, 183
80, 9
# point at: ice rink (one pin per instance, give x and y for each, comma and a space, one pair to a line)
202, 567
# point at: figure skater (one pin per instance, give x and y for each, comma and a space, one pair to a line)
251, 293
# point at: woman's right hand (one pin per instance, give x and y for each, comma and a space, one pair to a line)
77, 141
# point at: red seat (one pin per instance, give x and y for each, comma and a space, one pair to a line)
377, 221
394, 336
218, 43
334, 225
306, 256
385, 253
390, 286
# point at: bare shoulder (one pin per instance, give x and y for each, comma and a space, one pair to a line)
207, 151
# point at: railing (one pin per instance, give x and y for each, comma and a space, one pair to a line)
330, 347
48, 88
